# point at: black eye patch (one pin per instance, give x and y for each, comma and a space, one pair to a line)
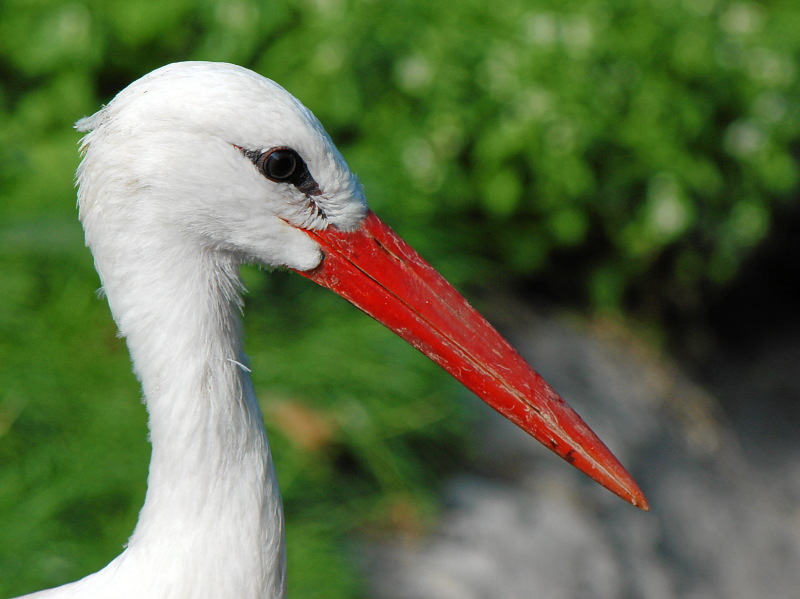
284, 165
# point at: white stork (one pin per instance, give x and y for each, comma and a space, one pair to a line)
189, 172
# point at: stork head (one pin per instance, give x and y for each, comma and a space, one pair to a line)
216, 158
220, 155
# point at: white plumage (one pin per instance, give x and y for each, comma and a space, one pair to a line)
173, 197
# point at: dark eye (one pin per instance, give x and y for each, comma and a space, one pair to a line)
283, 165
279, 164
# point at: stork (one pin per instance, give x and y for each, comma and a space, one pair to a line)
189, 172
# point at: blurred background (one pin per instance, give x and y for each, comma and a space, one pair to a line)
614, 183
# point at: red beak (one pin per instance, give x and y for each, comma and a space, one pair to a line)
382, 275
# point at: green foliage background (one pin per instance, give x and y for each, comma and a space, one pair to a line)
630, 154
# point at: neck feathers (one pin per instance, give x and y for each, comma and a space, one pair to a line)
212, 523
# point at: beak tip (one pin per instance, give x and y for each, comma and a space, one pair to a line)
621, 483
639, 500
626, 488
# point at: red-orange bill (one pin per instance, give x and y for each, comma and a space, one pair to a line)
374, 269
